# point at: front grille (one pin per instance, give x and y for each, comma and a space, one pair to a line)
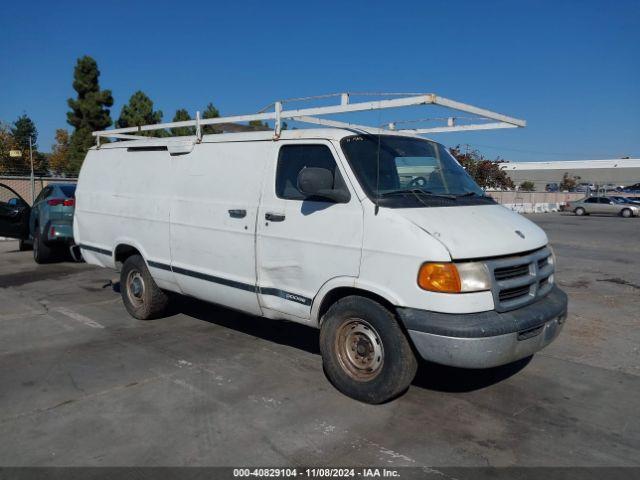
511, 272
511, 293
521, 279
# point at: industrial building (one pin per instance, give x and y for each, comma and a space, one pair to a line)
625, 171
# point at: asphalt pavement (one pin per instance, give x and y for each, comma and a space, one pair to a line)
84, 384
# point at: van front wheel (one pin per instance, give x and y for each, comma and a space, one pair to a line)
142, 298
365, 353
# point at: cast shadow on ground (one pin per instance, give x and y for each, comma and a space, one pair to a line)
430, 376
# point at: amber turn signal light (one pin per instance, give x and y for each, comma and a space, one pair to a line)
439, 277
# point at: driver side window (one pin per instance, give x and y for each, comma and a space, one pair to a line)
294, 158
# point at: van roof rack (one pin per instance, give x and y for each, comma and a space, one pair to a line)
483, 119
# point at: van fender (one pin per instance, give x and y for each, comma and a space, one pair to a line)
130, 242
349, 282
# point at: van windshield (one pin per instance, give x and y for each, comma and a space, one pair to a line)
410, 172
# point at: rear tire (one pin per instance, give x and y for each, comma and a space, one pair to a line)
579, 211
142, 297
42, 253
626, 213
365, 353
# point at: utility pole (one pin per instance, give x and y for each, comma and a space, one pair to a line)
33, 180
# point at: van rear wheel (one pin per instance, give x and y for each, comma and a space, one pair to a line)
365, 353
141, 296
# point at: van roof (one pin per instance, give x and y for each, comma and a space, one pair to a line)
336, 134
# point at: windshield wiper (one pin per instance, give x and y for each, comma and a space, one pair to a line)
416, 192
470, 194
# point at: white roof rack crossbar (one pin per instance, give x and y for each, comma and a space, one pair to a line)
309, 115
336, 124
459, 128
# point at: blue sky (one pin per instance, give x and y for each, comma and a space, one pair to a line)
570, 68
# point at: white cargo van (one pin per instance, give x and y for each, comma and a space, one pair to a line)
377, 237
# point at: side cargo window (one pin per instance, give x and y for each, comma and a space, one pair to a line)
293, 158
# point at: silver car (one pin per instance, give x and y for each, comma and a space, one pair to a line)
603, 206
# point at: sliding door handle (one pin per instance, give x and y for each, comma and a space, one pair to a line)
239, 213
274, 217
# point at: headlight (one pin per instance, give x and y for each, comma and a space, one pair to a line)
552, 258
454, 277
474, 276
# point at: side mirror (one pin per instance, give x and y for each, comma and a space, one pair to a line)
15, 202
319, 183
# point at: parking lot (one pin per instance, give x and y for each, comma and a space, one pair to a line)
82, 383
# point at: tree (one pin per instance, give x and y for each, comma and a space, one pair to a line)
487, 173
210, 112
259, 125
9, 164
139, 111
527, 186
59, 159
23, 130
88, 111
568, 183
181, 116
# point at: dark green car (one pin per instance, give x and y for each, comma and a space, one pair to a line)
47, 225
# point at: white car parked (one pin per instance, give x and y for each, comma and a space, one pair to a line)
383, 242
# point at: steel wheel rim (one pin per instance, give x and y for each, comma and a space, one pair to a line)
359, 349
135, 288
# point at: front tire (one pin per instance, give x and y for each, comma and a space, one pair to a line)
365, 353
142, 298
579, 211
626, 213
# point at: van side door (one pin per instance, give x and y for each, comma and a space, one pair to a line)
213, 221
303, 243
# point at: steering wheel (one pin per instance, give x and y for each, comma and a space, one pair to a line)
418, 182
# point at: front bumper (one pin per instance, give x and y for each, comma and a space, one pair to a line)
486, 339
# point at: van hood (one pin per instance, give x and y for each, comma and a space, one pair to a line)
477, 231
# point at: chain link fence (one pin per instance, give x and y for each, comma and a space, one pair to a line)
542, 201
27, 187
517, 200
